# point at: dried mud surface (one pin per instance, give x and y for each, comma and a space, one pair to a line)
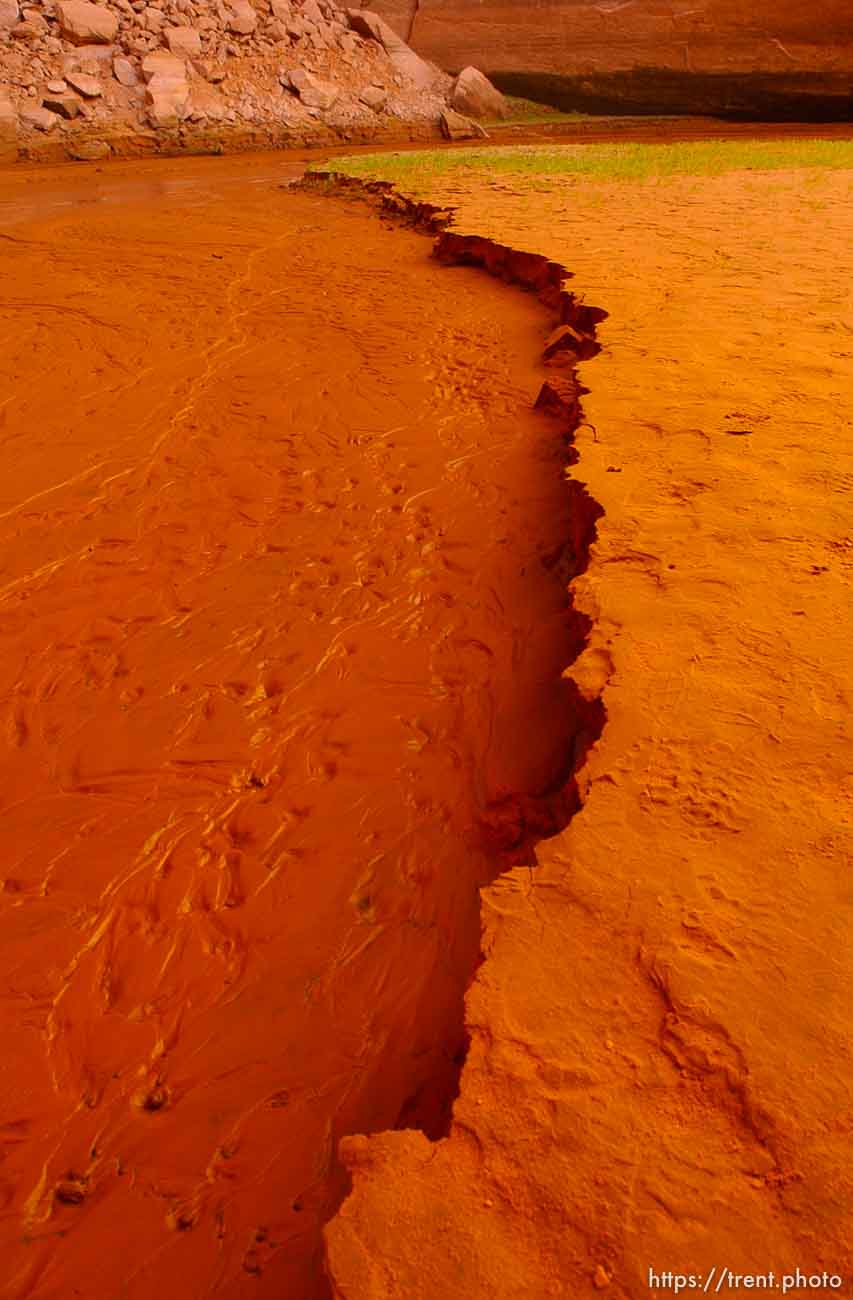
285, 554
660, 1059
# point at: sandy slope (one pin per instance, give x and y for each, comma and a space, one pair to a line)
660, 1068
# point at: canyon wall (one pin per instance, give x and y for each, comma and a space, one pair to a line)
785, 60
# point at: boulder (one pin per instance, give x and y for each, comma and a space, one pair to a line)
313, 91
167, 66
67, 106
407, 63
474, 96
40, 118
9, 13
8, 130
153, 20
281, 10
95, 60
168, 100
89, 150
374, 97
185, 41
124, 72
85, 85
83, 23
456, 127
241, 18
33, 28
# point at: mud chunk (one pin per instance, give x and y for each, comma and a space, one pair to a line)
151, 1099
566, 343
559, 397
70, 1191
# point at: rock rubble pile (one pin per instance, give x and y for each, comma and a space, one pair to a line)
82, 79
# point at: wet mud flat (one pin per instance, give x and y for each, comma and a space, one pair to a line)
284, 552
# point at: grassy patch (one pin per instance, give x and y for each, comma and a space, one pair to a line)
416, 168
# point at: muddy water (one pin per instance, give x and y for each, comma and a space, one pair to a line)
275, 627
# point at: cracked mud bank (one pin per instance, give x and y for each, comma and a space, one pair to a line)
285, 553
660, 1050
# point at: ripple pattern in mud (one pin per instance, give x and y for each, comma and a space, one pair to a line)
278, 619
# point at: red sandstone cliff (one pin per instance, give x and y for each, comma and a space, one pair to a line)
791, 46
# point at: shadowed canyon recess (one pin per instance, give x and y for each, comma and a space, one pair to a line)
285, 615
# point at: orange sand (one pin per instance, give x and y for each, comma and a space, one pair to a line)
276, 629
660, 1068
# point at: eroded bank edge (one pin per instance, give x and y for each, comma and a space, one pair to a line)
513, 825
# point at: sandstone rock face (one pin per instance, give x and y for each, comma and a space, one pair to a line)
407, 63
474, 95
84, 23
578, 44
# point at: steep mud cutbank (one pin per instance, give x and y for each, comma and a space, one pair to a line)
286, 547
513, 822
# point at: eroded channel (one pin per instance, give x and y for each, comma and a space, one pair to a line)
285, 550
